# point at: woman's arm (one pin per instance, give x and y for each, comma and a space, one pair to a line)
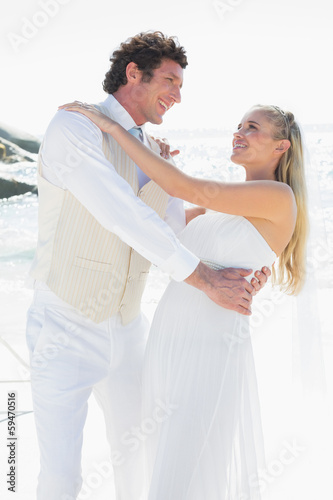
262, 199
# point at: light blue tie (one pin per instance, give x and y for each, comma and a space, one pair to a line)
137, 132
142, 177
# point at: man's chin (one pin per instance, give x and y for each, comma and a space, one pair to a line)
155, 122
158, 120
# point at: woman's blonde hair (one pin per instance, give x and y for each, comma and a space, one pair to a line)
291, 269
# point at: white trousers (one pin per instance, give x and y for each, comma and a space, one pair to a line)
70, 357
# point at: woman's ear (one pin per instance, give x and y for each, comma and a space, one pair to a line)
282, 146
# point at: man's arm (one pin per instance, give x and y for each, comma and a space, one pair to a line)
175, 215
226, 287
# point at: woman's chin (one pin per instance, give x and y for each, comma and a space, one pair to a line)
236, 159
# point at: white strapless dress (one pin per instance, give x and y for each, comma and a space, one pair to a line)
199, 382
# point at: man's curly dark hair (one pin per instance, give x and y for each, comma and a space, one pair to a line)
147, 50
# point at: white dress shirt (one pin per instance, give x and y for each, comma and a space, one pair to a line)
73, 159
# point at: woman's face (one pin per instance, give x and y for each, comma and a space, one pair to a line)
253, 143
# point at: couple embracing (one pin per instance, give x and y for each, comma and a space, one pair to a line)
110, 204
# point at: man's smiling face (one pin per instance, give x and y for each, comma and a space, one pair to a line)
151, 100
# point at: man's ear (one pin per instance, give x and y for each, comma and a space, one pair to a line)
132, 72
282, 147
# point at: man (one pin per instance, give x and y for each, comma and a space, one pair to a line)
100, 226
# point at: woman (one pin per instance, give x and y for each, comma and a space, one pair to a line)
199, 360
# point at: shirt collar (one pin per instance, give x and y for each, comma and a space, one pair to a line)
119, 112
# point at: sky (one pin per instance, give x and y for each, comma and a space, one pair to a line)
240, 53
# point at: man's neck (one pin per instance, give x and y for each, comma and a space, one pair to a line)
125, 99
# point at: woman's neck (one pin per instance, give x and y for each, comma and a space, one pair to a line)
260, 174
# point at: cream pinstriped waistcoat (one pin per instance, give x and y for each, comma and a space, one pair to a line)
85, 265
